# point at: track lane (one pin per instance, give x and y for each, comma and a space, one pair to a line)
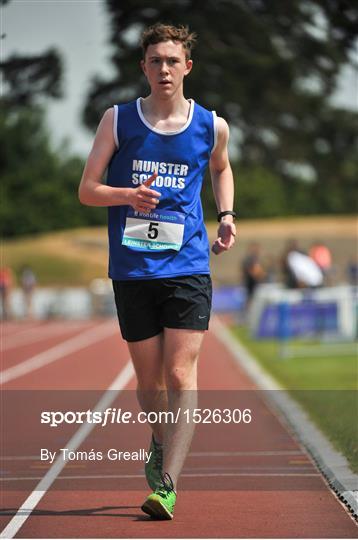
74, 362
47, 331
310, 511
73, 372
109, 517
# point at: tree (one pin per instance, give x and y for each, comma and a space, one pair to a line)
268, 67
30, 78
39, 184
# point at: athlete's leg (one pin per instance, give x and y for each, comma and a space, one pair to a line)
181, 350
147, 357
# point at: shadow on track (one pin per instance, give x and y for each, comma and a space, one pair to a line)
101, 511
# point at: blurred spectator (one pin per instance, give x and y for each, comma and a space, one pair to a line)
252, 269
289, 277
270, 269
299, 269
28, 283
320, 253
6, 282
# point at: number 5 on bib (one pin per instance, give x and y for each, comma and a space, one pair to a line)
159, 230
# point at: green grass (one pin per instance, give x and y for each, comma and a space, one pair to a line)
325, 386
311, 373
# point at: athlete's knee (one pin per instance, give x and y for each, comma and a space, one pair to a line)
179, 378
151, 381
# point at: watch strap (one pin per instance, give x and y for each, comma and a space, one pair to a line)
226, 213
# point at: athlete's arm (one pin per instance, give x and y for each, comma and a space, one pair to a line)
223, 188
92, 192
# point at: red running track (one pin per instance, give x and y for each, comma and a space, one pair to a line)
239, 481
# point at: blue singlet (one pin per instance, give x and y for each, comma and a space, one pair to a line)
172, 240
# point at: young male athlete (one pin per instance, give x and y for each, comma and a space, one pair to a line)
156, 150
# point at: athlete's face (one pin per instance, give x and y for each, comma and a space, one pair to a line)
165, 67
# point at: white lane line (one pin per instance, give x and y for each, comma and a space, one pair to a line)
45, 333
293, 417
19, 329
19, 458
73, 444
86, 338
183, 475
248, 453
252, 468
195, 454
243, 357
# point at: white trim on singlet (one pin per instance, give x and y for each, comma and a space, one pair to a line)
215, 123
152, 128
115, 125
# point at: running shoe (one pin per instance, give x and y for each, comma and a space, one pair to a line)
153, 469
160, 504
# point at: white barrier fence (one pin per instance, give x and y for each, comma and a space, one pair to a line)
325, 316
64, 302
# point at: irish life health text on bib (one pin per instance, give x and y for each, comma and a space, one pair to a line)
158, 230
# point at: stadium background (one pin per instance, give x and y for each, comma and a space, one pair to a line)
283, 74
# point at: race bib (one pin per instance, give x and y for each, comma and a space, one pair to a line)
159, 230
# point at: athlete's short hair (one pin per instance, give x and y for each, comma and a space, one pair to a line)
159, 32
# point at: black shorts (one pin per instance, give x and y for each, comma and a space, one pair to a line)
145, 307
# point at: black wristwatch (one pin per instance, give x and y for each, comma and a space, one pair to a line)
226, 213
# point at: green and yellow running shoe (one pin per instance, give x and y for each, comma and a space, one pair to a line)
153, 469
160, 504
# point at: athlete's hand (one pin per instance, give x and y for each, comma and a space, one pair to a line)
144, 199
226, 237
